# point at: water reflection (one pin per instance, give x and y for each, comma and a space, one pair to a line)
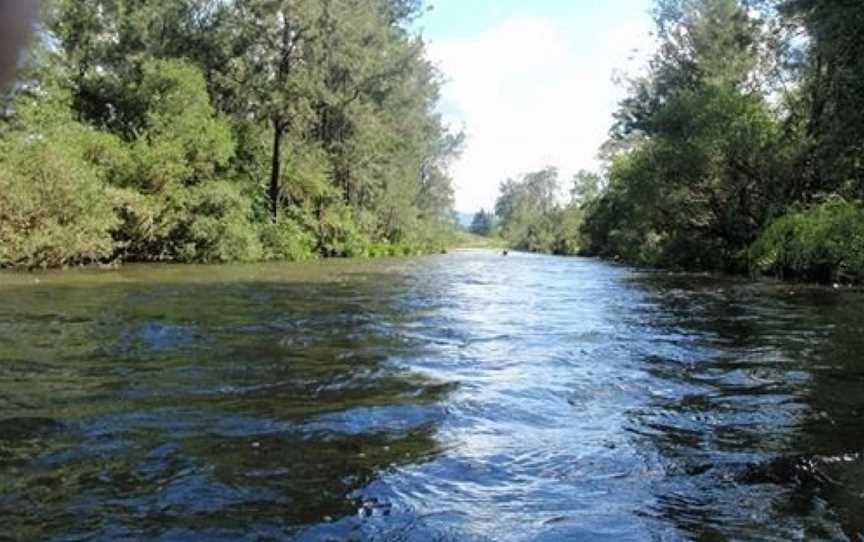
462, 397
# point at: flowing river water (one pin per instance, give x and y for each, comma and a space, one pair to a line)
460, 397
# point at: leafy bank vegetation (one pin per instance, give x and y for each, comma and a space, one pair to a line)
739, 148
214, 131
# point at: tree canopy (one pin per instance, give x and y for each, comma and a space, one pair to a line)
747, 121
738, 149
222, 131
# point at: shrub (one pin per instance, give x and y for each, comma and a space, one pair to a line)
218, 229
824, 243
53, 211
287, 241
204, 224
339, 234
151, 225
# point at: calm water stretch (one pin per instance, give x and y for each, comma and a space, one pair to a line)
461, 397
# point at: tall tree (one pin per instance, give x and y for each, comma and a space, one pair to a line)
275, 46
832, 100
707, 166
526, 206
317, 118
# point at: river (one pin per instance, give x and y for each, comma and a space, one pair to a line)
460, 397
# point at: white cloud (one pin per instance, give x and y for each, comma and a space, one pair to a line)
530, 94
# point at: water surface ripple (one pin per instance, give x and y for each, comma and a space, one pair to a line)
461, 397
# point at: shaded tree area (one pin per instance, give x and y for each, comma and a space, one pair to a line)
211, 131
741, 148
483, 223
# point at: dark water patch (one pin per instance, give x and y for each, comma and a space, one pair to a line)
14, 429
803, 471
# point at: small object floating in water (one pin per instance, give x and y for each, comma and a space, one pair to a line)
505, 253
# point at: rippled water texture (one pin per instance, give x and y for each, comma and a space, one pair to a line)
461, 397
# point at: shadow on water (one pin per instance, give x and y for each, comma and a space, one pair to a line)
204, 411
756, 408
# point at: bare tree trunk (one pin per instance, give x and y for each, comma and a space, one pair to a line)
276, 170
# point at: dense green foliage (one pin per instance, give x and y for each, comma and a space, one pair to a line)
483, 223
823, 243
531, 217
211, 131
741, 147
55, 209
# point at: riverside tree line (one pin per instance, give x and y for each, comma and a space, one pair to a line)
740, 148
216, 131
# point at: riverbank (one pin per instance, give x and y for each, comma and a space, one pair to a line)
465, 240
318, 271
765, 274
453, 240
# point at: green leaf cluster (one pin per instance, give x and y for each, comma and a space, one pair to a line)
824, 243
531, 216
727, 148
224, 131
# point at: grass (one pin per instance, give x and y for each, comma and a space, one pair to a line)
465, 239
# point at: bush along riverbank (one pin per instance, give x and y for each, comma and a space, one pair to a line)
738, 149
196, 133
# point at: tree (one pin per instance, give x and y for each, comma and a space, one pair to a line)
526, 207
831, 100
56, 209
251, 128
276, 55
483, 223
708, 165
586, 186
701, 43
106, 43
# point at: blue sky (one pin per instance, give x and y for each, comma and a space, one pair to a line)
530, 82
